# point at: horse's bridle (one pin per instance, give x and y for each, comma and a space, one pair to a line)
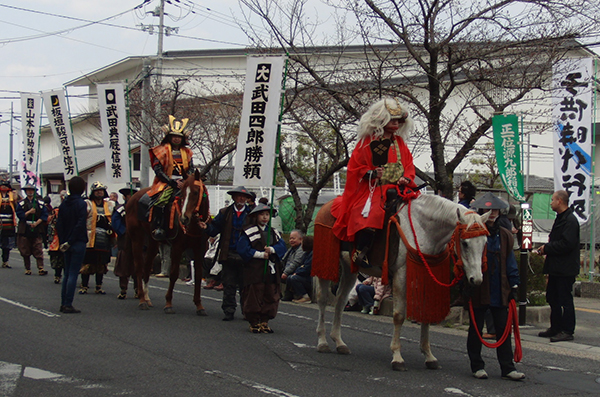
464, 231
196, 211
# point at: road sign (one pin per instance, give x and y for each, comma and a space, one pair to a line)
527, 229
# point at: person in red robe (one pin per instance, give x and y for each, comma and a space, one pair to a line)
380, 161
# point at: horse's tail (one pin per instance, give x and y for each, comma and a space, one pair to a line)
326, 250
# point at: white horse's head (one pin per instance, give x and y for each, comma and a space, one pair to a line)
470, 244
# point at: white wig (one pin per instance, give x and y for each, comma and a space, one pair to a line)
379, 114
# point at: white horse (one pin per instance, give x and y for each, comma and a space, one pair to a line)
435, 220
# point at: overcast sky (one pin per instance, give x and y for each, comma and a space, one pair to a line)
40, 51
45, 43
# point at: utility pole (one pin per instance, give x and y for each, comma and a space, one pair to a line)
161, 31
146, 123
10, 145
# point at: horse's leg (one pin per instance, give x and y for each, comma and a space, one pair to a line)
347, 281
175, 254
198, 262
322, 297
144, 296
399, 297
430, 361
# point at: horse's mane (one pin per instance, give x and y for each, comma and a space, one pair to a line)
442, 208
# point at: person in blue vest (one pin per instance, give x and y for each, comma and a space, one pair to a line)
499, 286
229, 223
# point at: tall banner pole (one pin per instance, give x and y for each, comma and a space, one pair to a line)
128, 115
593, 185
71, 125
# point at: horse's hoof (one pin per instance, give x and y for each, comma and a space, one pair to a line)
150, 304
169, 310
396, 366
324, 348
343, 349
143, 306
432, 364
201, 312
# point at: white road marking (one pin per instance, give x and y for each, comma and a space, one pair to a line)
254, 385
35, 373
454, 390
9, 375
33, 309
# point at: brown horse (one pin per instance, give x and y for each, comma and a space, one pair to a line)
187, 209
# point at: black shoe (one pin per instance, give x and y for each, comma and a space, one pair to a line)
228, 317
70, 309
62, 308
549, 333
287, 297
352, 308
562, 337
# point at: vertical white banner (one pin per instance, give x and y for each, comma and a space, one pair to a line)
113, 118
255, 157
31, 115
57, 111
572, 116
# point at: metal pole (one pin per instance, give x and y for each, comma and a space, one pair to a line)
161, 31
10, 146
146, 122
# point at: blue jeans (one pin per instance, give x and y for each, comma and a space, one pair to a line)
300, 285
73, 260
366, 293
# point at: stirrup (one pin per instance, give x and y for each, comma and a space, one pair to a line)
83, 290
360, 259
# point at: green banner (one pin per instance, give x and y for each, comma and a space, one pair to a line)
508, 154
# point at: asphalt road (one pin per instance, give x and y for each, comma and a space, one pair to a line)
112, 349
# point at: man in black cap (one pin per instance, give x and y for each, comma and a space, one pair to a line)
124, 264
31, 212
229, 222
499, 285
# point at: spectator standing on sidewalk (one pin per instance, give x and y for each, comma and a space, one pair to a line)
561, 266
72, 231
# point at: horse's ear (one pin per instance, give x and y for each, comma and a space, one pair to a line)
197, 175
485, 217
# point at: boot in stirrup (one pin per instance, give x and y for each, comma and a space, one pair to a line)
158, 233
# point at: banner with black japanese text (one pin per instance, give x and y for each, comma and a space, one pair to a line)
257, 138
57, 110
572, 117
113, 118
508, 154
31, 116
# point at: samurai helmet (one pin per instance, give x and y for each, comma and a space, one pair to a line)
98, 186
175, 127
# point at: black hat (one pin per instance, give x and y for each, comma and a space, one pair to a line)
29, 186
260, 208
240, 190
6, 184
489, 202
128, 190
